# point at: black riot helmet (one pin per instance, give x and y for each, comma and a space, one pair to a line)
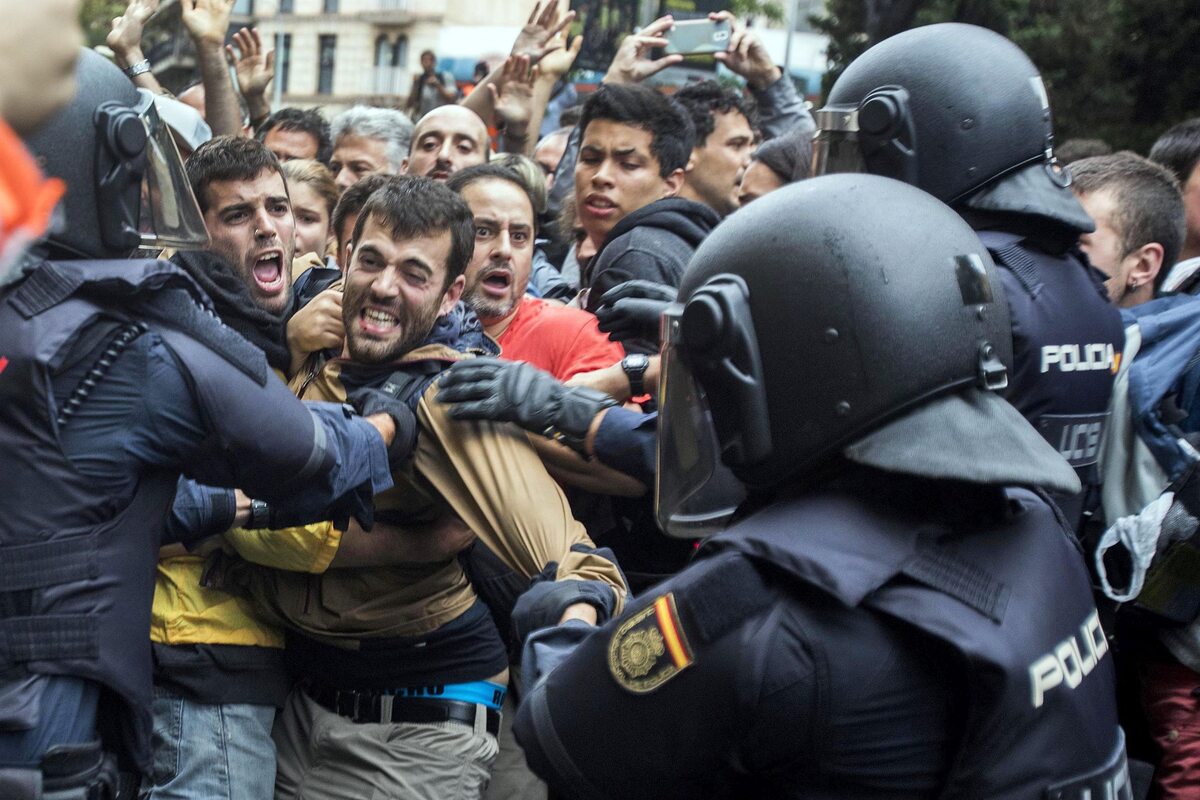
950, 108
872, 326
126, 186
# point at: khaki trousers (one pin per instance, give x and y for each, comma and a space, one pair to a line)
324, 756
511, 777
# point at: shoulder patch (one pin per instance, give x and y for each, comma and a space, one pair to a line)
650, 648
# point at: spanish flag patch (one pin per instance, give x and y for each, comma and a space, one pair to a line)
649, 648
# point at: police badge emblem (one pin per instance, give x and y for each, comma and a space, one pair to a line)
649, 648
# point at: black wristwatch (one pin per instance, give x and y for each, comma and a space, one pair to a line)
635, 365
260, 515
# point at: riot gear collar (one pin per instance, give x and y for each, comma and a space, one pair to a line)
126, 187
873, 321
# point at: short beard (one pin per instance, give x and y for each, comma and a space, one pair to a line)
416, 327
486, 308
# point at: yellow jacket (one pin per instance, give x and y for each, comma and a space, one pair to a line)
184, 612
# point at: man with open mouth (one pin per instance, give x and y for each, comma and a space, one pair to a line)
390, 648
216, 663
248, 213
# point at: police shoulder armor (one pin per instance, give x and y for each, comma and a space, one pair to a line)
1010, 596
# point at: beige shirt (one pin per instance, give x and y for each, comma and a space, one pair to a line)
486, 473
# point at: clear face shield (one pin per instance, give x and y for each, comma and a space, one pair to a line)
695, 494
169, 214
836, 147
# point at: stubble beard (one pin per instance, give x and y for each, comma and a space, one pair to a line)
415, 327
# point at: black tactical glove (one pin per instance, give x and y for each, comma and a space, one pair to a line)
633, 310
508, 391
367, 402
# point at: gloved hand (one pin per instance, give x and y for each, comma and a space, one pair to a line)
368, 402
513, 391
633, 310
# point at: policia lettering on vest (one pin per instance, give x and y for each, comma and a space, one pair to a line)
896, 610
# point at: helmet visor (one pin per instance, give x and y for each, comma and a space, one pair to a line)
694, 493
835, 146
170, 215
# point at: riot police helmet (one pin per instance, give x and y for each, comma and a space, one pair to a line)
953, 109
872, 328
126, 186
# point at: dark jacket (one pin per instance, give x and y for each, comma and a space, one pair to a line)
878, 637
653, 243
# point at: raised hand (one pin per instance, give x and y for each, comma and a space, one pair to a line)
746, 54
125, 38
512, 94
255, 66
537, 38
632, 63
206, 20
559, 60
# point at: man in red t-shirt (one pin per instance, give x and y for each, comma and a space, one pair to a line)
562, 341
559, 340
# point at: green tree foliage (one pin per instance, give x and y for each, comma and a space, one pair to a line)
96, 17
1119, 70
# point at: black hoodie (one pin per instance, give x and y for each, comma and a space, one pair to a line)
653, 243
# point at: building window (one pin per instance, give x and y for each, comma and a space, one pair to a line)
327, 48
285, 6
331, 6
243, 7
383, 51
400, 52
285, 62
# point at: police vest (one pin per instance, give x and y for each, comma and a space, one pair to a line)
1011, 597
77, 573
1067, 340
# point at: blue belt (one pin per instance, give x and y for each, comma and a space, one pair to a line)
484, 693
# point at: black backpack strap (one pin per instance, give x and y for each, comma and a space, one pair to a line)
408, 385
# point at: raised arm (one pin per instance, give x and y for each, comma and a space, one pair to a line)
206, 22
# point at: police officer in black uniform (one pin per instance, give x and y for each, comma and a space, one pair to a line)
962, 113
116, 377
898, 611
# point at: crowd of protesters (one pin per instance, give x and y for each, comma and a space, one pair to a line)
373, 247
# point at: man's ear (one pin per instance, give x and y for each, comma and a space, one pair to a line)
674, 182
691, 164
347, 254
451, 297
404, 166
1149, 261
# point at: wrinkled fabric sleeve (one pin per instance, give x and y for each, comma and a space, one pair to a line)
304, 548
781, 110
627, 442
493, 479
564, 175
318, 460
547, 281
199, 512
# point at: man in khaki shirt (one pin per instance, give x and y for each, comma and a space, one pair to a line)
402, 669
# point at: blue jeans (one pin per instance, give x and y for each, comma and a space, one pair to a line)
210, 752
